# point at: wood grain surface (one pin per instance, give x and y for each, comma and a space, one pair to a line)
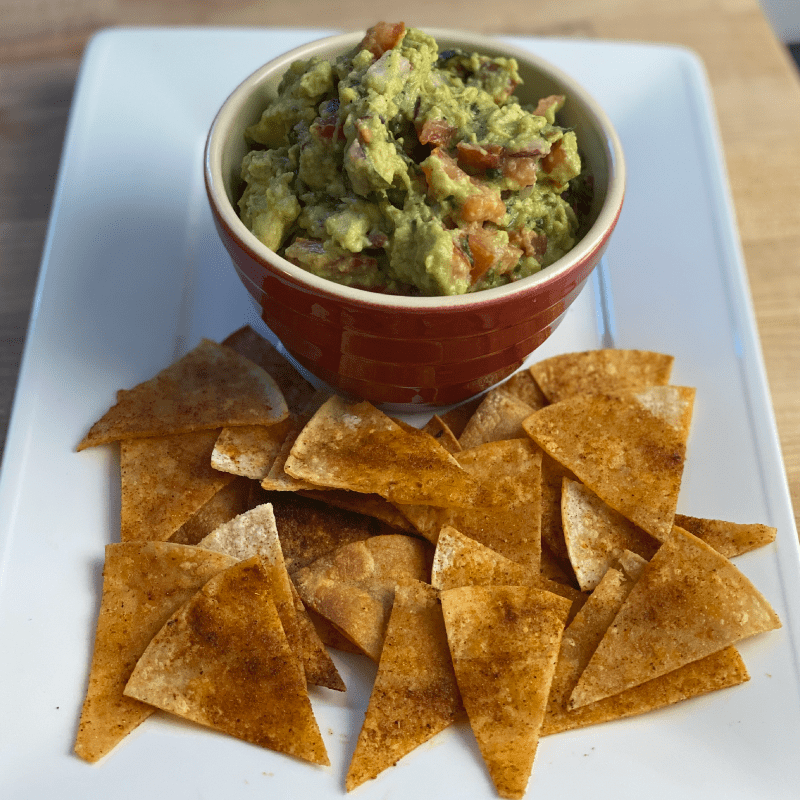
755, 83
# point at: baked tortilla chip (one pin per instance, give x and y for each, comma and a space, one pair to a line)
231, 500
415, 695
439, 430
553, 475
628, 448
456, 418
223, 661
510, 471
210, 387
499, 416
504, 641
370, 505
143, 584
596, 535
689, 602
522, 385
461, 561
256, 533
296, 390
309, 529
600, 372
248, 450
165, 481
716, 671
353, 587
729, 538
357, 447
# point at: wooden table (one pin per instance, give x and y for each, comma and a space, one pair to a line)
755, 83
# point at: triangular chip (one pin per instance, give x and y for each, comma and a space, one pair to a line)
248, 450
210, 387
499, 416
223, 661
370, 505
143, 584
256, 533
231, 500
600, 372
355, 446
596, 535
553, 475
415, 693
729, 538
716, 671
689, 602
504, 641
165, 481
461, 561
522, 385
309, 529
510, 472
628, 448
295, 388
440, 431
354, 586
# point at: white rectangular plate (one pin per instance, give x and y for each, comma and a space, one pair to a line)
133, 275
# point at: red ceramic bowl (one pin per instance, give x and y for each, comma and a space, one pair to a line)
412, 351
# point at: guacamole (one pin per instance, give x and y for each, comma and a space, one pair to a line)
402, 169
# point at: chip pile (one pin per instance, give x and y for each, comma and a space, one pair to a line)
518, 562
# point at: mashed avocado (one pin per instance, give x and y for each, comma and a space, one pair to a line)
398, 168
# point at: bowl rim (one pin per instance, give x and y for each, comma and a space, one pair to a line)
593, 240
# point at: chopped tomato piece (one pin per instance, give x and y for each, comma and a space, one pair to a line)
556, 156
479, 157
436, 132
521, 169
382, 36
489, 253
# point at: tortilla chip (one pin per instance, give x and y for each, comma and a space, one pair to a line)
143, 584
317, 663
456, 418
295, 388
716, 671
628, 448
210, 387
632, 564
415, 693
309, 529
248, 450
499, 416
223, 661
256, 533
231, 500
369, 505
439, 430
729, 538
461, 561
553, 475
504, 641
600, 372
689, 602
510, 471
353, 587
522, 385
596, 535
165, 481
357, 447
551, 569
